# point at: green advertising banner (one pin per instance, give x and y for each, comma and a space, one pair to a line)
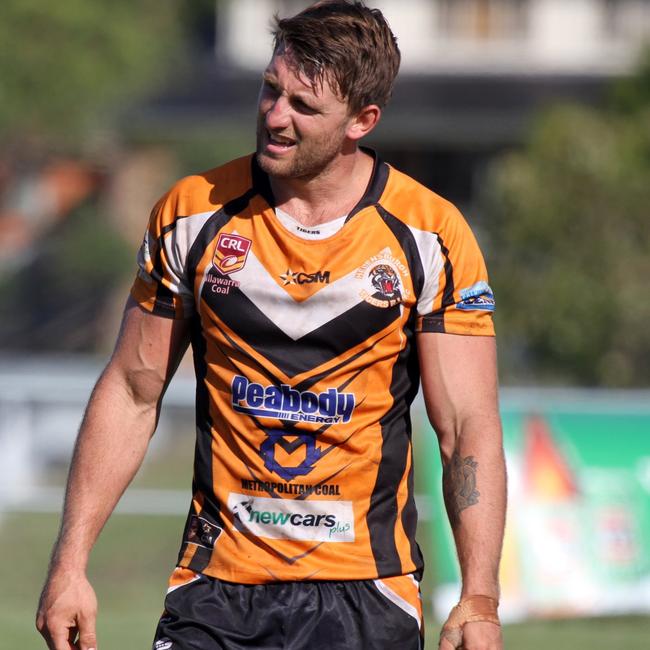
577, 540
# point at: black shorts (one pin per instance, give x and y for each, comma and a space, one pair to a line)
203, 613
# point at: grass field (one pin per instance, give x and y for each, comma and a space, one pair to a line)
131, 562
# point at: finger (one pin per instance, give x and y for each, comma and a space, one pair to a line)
483, 635
450, 639
57, 637
62, 640
87, 636
41, 626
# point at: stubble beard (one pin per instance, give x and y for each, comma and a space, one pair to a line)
309, 159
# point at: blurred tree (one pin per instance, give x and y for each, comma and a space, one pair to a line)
66, 65
68, 69
632, 94
570, 254
58, 302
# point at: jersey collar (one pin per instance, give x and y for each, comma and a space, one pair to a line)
371, 196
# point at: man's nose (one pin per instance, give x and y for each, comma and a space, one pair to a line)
277, 116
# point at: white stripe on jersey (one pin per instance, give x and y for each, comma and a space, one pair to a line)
432, 263
398, 600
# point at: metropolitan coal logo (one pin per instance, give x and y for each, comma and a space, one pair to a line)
231, 253
382, 279
322, 277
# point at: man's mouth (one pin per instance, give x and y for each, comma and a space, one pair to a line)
279, 143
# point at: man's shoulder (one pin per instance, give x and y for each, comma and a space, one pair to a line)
415, 204
210, 190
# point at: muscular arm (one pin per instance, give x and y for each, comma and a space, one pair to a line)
459, 382
119, 421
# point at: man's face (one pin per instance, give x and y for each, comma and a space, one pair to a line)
301, 129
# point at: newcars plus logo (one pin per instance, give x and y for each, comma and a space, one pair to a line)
315, 520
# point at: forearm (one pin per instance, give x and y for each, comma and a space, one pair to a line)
113, 438
111, 444
474, 488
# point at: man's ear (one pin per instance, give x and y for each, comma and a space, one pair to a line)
363, 122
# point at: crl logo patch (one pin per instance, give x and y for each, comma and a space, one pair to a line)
231, 253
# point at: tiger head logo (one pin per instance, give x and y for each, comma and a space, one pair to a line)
385, 281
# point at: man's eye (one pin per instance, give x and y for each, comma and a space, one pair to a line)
299, 105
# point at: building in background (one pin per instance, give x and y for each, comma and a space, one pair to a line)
486, 37
473, 74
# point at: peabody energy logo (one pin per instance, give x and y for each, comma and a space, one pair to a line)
286, 403
314, 521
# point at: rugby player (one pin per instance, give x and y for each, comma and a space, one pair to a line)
316, 285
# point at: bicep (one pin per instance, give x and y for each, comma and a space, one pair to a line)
459, 382
147, 353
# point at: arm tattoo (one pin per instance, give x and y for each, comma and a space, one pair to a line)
459, 486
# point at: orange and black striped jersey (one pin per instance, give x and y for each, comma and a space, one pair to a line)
305, 360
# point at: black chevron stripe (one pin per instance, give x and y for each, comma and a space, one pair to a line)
306, 384
262, 369
316, 348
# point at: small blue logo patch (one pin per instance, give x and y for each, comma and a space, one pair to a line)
477, 297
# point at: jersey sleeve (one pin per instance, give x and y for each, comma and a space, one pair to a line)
456, 297
161, 285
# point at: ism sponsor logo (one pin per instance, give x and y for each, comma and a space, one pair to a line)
321, 277
231, 252
316, 521
286, 403
477, 297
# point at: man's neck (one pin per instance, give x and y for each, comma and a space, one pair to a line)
330, 195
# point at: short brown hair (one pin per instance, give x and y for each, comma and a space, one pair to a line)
345, 43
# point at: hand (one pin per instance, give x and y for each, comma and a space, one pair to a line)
67, 612
480, 635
